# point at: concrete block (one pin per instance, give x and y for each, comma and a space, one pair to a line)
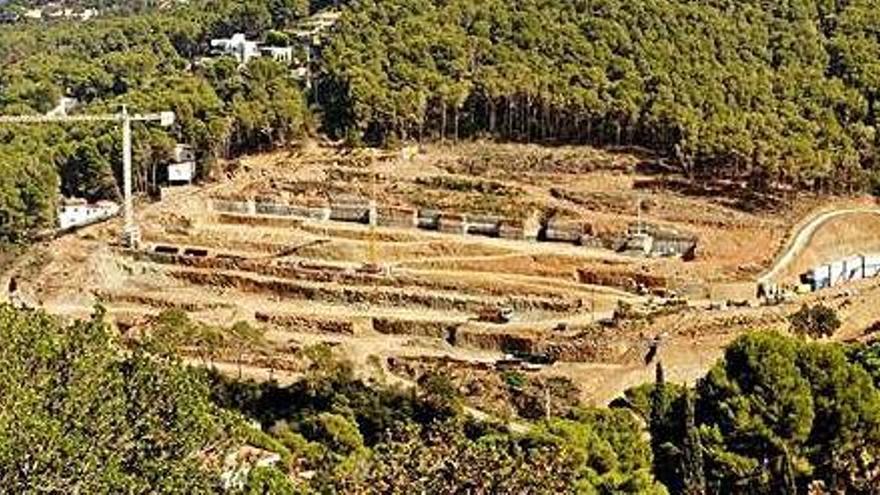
272, 208
397, 216
320, 213
564, 231
350, 212
483, 225
227, 206
428, 219
452, 223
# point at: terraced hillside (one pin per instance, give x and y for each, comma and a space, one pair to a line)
413, 255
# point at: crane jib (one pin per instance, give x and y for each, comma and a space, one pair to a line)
130, 232
165, 118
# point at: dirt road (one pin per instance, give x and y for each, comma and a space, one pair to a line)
799, 242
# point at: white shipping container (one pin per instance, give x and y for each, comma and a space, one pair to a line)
181, 172
855, 268
837, 272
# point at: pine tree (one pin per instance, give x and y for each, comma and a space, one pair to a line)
692, 468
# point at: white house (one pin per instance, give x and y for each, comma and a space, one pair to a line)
183, 169
237, 46
78, 212
283, 54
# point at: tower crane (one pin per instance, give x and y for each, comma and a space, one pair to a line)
130, 232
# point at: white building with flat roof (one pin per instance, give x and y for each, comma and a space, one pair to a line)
283, 54
238, 47
78, 212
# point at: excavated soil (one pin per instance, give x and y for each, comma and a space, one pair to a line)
432, 297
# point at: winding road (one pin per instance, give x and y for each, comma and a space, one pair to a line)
802, 238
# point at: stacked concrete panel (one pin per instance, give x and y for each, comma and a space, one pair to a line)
270, 208
428, 219
397, 216
351, 209
488, 226
666, 242
841, 271
321, 213
558, 230
228, 206
452, 223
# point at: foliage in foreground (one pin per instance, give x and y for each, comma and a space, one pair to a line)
77, 416
360, 437
79, 413
775, 415
816, 321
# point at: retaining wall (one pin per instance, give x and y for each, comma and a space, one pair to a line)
566, 231
228, 206
483, 225
350, 212
397, 216
307, 324
452, 223
423, 328
429, 219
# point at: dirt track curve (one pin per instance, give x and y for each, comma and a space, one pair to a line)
799, 242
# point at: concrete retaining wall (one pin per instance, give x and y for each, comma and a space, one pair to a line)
666, 241
401, 217
359, 210
483, 225
566, 231
267, 208
429, 219
321, 213
227, 206
452, 223
350, 212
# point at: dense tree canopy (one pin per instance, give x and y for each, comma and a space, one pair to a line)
774, 416
150, 62
782, 93
78, 417
774, 91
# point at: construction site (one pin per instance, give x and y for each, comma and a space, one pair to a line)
563, 263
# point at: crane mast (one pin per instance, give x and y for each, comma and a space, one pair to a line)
130, 231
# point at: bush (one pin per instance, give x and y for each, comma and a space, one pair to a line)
815, 321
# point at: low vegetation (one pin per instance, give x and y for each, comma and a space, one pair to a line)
82, 413
816, 321
148, 60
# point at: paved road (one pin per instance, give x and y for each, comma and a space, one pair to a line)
801, 240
